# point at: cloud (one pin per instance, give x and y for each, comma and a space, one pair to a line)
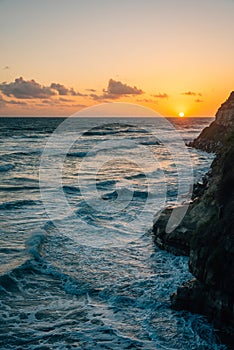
147, 100
161, 95
55, 102
62, 99
118, 88
23, 89
63, 91
198, 100
191, 93
91, 90
103, 98
18, 103
30, 89
76, 93
96, 97
79, 105
115, 90
2, 101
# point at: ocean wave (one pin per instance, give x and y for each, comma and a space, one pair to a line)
23, 153
101, 150
9, 280
33, 261
138, 131
117, 146
9, 250
6, 167
110, 196
25, 179
125, 194
8, 283
136, 176
105, 183
115, 128
108, 129
77, 154
101, 132
141, 194
30, 136
34, 243
17, 204
150, 142
17, 188
69, 283
71, 189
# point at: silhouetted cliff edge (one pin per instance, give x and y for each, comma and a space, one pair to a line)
213, 138
206, 233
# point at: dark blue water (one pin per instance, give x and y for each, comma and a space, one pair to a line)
102, 283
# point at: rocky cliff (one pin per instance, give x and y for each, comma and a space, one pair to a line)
206, 233
213, 138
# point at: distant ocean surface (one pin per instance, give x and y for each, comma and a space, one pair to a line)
57, 293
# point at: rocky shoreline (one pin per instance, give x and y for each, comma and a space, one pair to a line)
206, 233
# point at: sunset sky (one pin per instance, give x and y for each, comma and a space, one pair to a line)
60, 56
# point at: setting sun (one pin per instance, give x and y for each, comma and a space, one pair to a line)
181, 114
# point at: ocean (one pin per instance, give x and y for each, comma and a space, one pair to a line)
79, 267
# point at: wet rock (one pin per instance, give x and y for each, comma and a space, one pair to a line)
196, 297
176, 242
190, 296
179, 240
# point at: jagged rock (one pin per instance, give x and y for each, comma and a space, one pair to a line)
213, 138
190, 296
176, 242
225, 114
196, 297
179, 240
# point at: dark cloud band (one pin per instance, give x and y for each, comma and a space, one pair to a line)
30, 89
